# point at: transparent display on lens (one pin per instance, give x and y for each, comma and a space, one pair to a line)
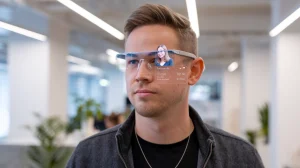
164, 65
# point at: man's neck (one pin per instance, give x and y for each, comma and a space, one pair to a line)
165, 130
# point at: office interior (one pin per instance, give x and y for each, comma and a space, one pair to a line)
57, 59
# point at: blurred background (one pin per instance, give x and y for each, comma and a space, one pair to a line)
59, 82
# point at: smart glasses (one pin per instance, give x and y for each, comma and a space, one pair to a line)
152, 59
165, 65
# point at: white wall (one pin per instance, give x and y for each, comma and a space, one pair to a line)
285, 148
255, 90
28, 77
38, 77
231, 100
255, 80
285, 94
58, 69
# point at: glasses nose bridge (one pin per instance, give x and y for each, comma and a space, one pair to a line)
141, 61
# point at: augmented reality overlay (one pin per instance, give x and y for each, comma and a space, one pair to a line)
167, 66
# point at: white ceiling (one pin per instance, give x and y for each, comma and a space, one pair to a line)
115, 12
221, 22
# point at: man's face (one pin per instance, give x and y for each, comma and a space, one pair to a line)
149, 97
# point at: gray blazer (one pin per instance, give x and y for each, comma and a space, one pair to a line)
112, 148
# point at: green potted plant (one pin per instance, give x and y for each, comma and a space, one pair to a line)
87, 112
264, 126
264, 121
251, 136
49, 153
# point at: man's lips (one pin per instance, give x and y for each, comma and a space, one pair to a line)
144, 91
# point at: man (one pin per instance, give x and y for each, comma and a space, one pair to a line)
163, 131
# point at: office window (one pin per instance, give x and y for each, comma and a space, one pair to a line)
85, 84
4, 99
205, 97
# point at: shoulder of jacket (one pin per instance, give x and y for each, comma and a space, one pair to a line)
231, 141
228, 137
108, 132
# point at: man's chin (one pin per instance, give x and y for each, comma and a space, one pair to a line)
147, 114
146, 110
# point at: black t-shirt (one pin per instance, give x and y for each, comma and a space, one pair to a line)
165, 156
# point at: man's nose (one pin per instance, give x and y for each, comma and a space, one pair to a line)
144, 72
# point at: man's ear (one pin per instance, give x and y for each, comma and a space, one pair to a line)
197, 67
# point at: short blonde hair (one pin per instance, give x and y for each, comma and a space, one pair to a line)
150, 14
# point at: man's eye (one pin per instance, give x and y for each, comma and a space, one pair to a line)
133, 62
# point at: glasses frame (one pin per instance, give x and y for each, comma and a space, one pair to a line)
178, 52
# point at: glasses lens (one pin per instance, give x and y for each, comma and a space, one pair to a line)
135, 61
162, 64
